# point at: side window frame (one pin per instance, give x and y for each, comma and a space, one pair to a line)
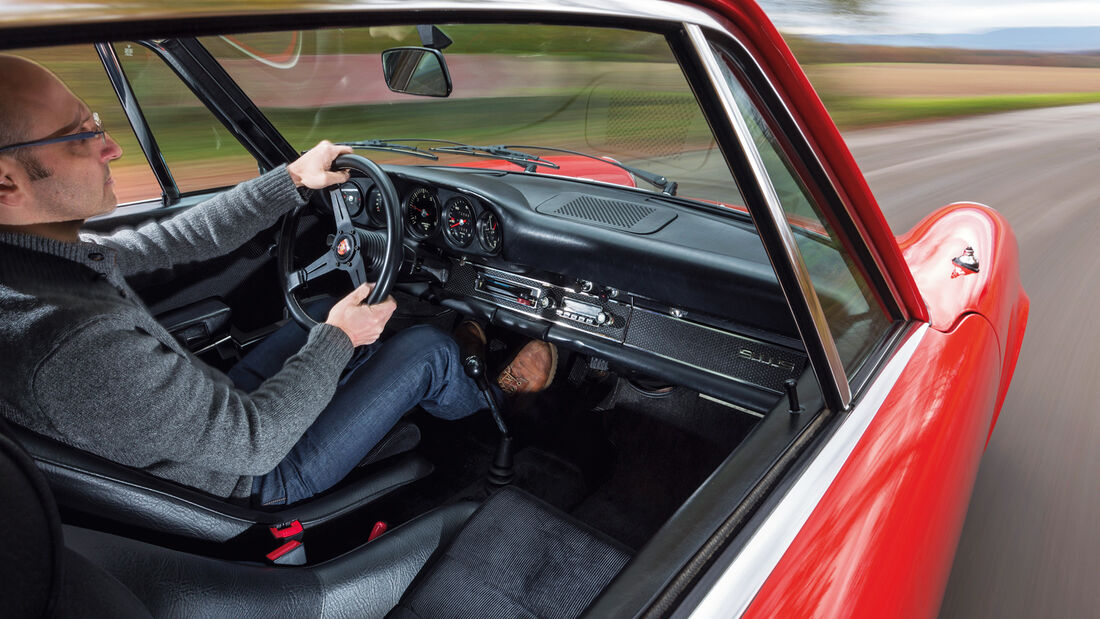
215, 88
170, 194
769, 216
228, 105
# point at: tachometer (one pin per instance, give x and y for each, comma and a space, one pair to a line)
488, 231
422, 210
460, 221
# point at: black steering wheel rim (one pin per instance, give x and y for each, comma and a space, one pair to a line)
346, 252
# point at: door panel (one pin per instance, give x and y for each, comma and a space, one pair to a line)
881, 541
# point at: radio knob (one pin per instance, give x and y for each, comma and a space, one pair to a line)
601, 318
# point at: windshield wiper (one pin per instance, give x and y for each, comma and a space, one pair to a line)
526, 161
390, 145
666, 186
507, 152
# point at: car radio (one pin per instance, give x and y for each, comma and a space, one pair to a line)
587, 313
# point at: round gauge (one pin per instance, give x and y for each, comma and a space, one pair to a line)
460, 221
488, 231
376, 208
353, 199
422, 210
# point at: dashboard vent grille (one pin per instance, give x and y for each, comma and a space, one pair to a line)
608, 212
620, 214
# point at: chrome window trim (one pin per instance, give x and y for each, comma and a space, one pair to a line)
742, 579
833, 376
879, 267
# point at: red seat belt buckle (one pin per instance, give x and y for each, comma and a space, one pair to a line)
286, 529
378, 529
290, 553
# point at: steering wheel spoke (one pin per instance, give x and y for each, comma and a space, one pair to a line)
325, 264
340, 211
357, 270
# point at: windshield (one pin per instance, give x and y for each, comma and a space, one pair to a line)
603, 92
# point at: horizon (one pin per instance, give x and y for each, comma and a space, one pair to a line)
918, 17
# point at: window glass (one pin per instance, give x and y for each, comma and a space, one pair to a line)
200, 152
80, 68
856, 317
606, 92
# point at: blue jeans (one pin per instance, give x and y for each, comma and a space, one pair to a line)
417, 366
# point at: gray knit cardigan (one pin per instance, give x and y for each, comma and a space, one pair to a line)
82, 360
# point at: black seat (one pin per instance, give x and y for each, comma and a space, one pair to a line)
89, 484
47, 570
516, 558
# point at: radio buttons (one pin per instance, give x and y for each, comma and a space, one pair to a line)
599, 320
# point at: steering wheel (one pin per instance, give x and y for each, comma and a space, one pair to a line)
359, 253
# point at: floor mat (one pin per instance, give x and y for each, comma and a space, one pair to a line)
665, 446
462, 452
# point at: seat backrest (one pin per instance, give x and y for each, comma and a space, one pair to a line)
89, 484
39, 576
30, 555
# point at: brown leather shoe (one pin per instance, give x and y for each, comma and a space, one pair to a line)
471, 340
531, 370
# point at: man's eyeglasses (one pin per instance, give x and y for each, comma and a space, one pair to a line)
83, 135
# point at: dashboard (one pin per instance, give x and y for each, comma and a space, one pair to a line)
668, 287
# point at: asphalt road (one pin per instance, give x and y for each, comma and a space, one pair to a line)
1031, 543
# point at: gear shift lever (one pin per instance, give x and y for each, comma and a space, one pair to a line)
500, 472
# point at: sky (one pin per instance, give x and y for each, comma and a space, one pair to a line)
937, 16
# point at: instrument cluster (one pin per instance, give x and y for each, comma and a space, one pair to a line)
460, 221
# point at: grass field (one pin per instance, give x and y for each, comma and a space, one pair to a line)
882, 79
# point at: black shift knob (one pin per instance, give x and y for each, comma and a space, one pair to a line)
474, 367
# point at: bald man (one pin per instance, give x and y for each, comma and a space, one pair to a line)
85, 362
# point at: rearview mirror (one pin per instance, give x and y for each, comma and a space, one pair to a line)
416, 71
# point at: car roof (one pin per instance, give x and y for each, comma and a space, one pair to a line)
19, 14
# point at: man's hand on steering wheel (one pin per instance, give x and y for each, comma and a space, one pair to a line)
361, 254
312, 168
363, 324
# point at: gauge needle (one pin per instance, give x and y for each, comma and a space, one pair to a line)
458, 223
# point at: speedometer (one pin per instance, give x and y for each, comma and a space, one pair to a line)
460, 221
422, 210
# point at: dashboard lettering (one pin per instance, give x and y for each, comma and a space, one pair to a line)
766, 359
